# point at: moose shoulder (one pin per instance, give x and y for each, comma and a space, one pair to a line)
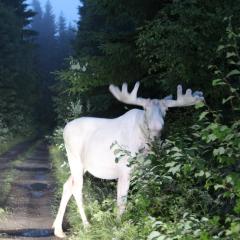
88, 140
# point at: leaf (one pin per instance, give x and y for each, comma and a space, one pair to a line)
218, 151
167, 177
217, 82
211, 137
233, 89
229, 180
227, 99
211, 67
171, 164
235, 228
177, 155
237, 207
204, 219
220, 47
218, 186
162, 237
199, 105
207, 174
232, 62
175, 169
176, 149
233, 73
199, 174
231, 54
203, 115
153, 235
217, 72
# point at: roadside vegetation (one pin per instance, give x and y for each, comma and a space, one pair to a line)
18, 92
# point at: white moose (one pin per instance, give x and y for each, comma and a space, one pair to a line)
88, 140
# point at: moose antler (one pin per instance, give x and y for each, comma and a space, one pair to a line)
127, 97
187, 99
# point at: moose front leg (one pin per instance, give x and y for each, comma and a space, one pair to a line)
122, 191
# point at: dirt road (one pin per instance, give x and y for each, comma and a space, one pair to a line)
28, 203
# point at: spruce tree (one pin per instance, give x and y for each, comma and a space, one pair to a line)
37, 19
64, 37
16, 65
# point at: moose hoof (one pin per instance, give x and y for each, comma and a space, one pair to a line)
86, 225
59, 233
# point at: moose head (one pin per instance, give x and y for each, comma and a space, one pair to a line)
155, 109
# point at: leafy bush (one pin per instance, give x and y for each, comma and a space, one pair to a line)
190, 182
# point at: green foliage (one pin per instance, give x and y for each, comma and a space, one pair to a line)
18, 94
196, 172
10, 137
179, 43
188, 185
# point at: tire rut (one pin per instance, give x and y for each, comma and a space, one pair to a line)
29, 214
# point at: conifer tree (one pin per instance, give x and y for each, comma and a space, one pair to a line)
65, 36
16, 65
37, 19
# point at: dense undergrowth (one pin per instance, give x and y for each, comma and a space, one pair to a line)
188, 186
10, 137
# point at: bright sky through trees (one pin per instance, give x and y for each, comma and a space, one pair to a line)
68, 7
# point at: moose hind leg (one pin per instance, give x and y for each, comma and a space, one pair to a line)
66, 195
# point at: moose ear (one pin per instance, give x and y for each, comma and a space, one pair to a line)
170, 97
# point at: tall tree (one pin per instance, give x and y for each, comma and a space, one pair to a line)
62, 27
45, 57
53, 40
48, 41
64, 37
37, 19
16, 65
